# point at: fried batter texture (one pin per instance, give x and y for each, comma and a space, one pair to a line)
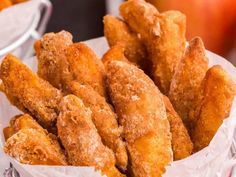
117, 31
20, 122
30, 144
187, 79
163, 34
182, 145
30, 93
61, 61
141, 111
116, 52
82, 65
104, 119
215, 100
50, 50
80, 138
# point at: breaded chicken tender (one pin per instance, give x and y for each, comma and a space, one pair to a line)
117, 31
141, 111
116, 52
163, 34
187, 79
50, 50
215, 100
20, 122
4, 4
181, 143
82, 65
29, 93
34, 147
29, 143
80, 138
104, 119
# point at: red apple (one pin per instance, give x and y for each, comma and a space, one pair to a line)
213, 20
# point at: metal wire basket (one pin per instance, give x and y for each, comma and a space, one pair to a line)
35, 30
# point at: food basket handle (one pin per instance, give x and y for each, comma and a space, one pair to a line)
46, 7
35, 30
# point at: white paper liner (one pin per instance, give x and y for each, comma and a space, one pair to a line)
15, 20
214, 161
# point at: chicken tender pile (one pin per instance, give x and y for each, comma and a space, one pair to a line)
150, 100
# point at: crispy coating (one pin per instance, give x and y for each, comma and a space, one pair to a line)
50, 50
181, 143
81, 139
141, 111
82, 65
163, 34
30, 93
104, 119
61, 62
215, 100
117, 31
4, 4
29, 143
18, 1
116, 52
34, 147
187, 79
20, 122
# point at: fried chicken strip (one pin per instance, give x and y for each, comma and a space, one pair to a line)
117, 31
50, 50
20, 122
181, 143
30, 144
4, 4
215, 100
82, 65
141, 111
116, 52
187, 79
30, 93
81, 139
163, 34
104, 119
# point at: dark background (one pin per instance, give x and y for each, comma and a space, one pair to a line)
83, 18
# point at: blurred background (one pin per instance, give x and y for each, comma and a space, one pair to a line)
83, 18
213, 20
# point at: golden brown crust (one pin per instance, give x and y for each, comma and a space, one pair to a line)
34, 147
4, 4
104, 119
81, 139
163, 34
215, 100
18, 1
50, 50
20, 122
181, 143
117, 31
187, 79
29, 143
141, 18
116, 52
82, 65
30, 93
142, 114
